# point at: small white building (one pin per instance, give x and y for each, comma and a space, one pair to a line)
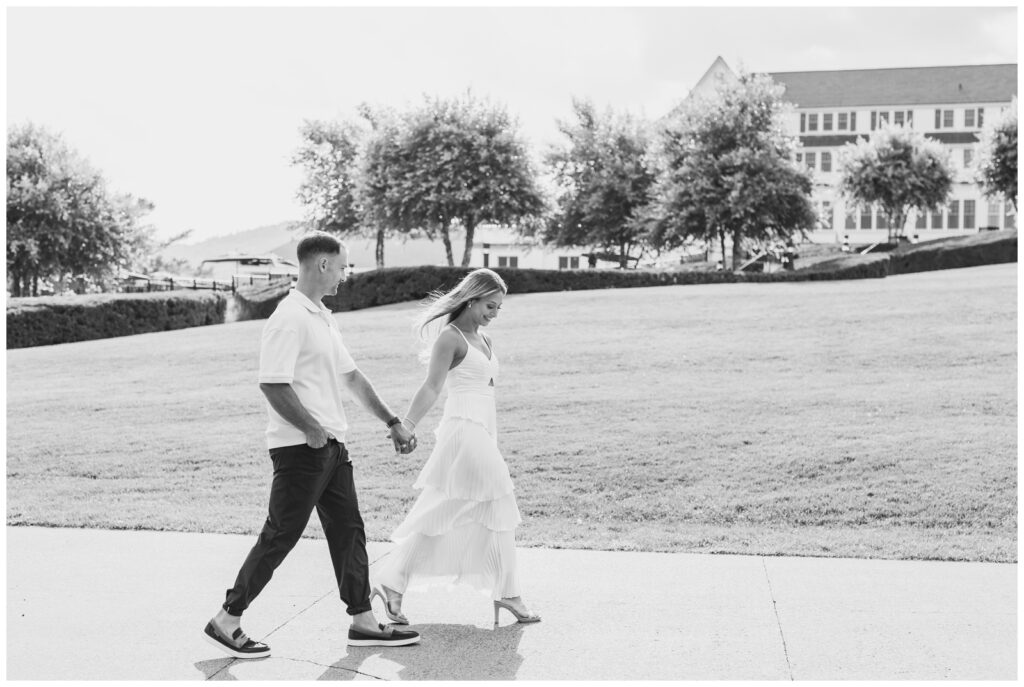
496, 246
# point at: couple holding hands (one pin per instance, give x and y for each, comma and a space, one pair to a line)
461, 527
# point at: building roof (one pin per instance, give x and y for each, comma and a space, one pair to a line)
987, 83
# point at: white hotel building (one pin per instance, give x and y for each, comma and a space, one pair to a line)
947, 104
833, 109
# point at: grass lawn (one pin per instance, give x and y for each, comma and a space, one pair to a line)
868, 418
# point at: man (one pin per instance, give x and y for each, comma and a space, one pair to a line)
303, 367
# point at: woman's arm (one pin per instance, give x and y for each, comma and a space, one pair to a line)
446, 350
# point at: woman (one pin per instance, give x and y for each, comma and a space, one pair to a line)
462, 526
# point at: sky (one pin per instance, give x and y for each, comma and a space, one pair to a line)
198, 109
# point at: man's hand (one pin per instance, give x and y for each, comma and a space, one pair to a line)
404, 440
317, 438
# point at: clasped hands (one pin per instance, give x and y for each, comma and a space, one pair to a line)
403, 439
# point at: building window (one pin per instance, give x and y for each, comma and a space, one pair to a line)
947, 119
954, 215
811, 160
487, 259
508, 261
874, 120
826, 122
803, 122
910, 117
969, 119
922, 220
993, 214
937, 218
865, 217
574, 263
812, 122
563, 262
853, 121
897, 118
841, 122
851, 218
826, 162
1011, 219
883, 118
981, 116
968, 157
799, 157
968, 214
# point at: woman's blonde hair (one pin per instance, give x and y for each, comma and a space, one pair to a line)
476, 284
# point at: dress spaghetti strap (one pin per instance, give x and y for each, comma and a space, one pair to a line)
460, 332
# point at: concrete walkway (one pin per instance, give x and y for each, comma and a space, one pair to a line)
132, 605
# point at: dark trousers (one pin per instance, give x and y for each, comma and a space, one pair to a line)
305, 478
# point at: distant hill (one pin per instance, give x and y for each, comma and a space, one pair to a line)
363, 252
283, 238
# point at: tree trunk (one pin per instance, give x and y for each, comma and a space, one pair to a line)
35, 284
737, 248
623, 259
447, 240
380, 248
467, 252
721, 238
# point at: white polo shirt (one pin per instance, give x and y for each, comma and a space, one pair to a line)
302, 346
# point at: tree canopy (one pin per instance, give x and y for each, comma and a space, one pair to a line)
456, 160
899, 170
727, 170
998, 164
603, 178
62, 221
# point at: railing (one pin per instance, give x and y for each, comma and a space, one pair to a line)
196, 283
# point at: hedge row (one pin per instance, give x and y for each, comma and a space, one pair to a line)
43, 321
984, 248
403, 284
62, 319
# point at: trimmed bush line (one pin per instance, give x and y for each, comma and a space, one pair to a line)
257, 302
62, 319
985, 248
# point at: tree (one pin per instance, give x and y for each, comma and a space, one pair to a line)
727, 170
899, 170
61, 219
378, 190
456, 161
604, 179
998, 164
330, 156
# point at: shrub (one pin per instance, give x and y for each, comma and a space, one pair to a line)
63, 319
403, 284
257, 302
984, 248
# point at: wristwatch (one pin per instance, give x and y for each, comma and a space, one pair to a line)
394, 421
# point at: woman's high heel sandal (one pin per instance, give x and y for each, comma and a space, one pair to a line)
395, 616
520, 618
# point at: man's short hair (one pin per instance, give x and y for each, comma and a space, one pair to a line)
317, 242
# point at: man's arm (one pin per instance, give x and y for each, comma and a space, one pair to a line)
285, 401
362, 390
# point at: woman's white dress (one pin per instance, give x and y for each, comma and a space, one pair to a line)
461, 529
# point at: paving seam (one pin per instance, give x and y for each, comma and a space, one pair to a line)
321, 665
778, 621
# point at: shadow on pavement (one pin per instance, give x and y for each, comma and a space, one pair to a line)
445, 652
214, 666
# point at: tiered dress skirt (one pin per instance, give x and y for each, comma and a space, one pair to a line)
461, 529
